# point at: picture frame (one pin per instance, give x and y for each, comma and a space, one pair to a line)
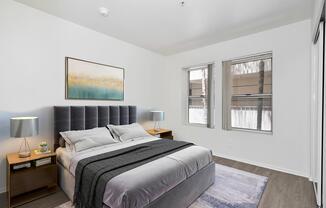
88, 80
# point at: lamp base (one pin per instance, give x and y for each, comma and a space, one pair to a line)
157, 127
24, 154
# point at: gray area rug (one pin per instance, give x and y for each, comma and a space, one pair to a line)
233, 188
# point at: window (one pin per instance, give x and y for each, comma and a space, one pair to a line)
247, 93
200, 97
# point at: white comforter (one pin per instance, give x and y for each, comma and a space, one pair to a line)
142, 185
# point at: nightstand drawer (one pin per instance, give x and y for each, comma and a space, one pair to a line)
33, 178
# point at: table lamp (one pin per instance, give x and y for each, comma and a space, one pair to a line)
22, 127
157, 116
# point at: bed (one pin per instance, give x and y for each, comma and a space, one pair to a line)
175, 180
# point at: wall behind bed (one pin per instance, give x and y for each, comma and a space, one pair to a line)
32, 79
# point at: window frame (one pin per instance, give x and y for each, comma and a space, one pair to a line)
226, 110
212, 94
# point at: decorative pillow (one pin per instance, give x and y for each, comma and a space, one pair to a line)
128, 132
85, 139
113, 134
62, 142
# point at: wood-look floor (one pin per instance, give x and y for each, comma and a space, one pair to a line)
282, 191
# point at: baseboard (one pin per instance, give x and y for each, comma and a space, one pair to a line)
264, 165
3, 189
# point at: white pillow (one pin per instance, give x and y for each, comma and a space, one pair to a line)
69, 147
85, 139
128, 132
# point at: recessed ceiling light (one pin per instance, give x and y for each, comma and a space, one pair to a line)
103, 11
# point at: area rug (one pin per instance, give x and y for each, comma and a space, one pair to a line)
233, 188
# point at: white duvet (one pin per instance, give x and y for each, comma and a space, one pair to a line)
142, 185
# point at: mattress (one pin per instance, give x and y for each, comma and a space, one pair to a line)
142, 185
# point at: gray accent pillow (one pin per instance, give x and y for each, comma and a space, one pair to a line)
85, 139
62, 142
128, 132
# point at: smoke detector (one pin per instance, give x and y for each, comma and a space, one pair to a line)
104, 12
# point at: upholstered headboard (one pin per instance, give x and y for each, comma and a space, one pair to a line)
68, 118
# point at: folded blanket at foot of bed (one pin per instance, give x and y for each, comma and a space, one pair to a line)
93, 173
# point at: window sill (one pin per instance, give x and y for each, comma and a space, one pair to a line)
249, 131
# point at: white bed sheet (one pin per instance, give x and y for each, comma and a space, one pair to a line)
142, 185
70, 159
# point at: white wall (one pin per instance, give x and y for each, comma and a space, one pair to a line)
33, 46
32, 50
288, 148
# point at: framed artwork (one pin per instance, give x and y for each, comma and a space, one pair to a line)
86, 80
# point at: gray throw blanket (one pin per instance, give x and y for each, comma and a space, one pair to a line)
93, 173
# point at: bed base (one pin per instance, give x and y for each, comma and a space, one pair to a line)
185, 193
181, 196
66, 181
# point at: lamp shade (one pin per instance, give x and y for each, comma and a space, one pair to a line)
24, 127
157, 115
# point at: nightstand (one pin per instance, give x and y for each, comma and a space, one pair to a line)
162, 133
32, 181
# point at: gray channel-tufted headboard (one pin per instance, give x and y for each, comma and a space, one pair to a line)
68, 118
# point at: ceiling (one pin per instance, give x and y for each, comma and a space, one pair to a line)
166, 27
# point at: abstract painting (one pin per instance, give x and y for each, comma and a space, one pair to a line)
93, 81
